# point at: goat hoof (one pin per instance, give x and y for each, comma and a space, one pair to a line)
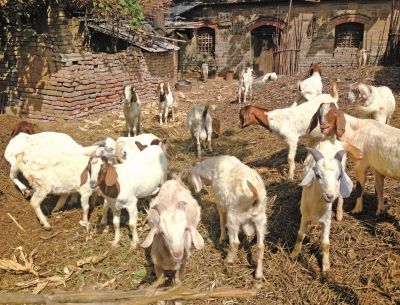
294, 255
259, 274
27, 193
47, 227
229, 259
356, 211
380, 212
84, 223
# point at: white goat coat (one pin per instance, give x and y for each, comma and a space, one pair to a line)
311, 87
144, 139
379, 143
199, 128
229, 179
380, 104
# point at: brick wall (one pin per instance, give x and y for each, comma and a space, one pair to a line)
48, 77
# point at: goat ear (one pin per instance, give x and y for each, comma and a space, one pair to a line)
353, 152
197, 239
140, 145
197, 183
111, 176
308, 178
85, 173
340, 124
155, 142
84, 176
346, 185
313, 122
149, 238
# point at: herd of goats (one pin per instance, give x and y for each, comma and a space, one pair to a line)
136, 167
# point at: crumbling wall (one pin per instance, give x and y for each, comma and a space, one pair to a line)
48, 77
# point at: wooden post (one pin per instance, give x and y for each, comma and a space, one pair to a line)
159, 22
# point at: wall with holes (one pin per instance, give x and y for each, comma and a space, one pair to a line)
233, 23
48, 77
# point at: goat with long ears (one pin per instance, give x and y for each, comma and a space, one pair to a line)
290, 123
378, 142
173, 217
324, 180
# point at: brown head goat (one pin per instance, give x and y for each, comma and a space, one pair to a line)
22, 126
377, 141
289, 123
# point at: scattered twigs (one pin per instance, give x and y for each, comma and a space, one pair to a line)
12, 265
16, 222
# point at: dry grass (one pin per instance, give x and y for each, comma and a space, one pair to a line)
365, 250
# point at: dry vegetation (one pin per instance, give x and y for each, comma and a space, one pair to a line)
365, 250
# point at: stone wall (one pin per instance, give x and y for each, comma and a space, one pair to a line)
233, 23
48, 77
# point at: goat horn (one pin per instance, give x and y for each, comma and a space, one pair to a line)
316, 154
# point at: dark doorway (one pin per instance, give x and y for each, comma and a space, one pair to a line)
263, 44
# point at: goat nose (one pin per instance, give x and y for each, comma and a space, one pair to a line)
92, 184
178, 254
330, 195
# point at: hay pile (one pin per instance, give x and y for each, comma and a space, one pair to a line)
365, 250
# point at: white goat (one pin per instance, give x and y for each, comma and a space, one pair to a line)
379, 102
324, 179
173, 217
290, 123
123, 184
166, 102
204, 71
246, 84
43, 144
311, 87
362, 56
202, 125
132, 109
378, 142
269, 76
59, 174
125, 144
241, 201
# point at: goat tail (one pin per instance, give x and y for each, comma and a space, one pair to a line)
205, 111
256, 194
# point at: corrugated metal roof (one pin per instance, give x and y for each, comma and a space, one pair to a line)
145, 41
181, 8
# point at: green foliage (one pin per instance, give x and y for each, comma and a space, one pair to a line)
120, 9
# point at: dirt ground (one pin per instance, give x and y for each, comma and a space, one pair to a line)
365, 250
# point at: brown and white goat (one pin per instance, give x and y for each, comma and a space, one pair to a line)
378, 142
289, 123
22, 126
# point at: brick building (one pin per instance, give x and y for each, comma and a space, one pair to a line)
49, 73
230, 34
